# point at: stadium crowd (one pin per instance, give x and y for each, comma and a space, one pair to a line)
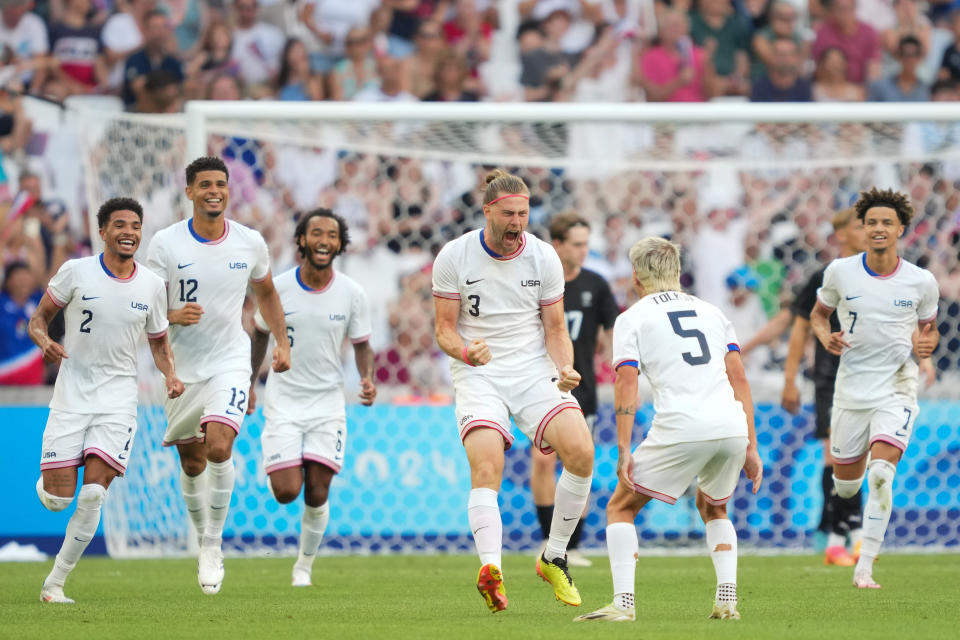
750, 237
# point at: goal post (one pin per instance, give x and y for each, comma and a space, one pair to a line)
747, 189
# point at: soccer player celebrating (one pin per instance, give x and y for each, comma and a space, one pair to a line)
207, 262
881, 301
498, 296
108, 301
703, 426
306, 430
590, 311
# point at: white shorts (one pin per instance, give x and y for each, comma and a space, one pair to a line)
70, 437
222, 398
532, 401
664, 471
853, 431
288, 444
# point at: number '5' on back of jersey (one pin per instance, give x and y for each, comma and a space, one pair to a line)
679, 343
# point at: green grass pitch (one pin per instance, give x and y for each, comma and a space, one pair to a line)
435, 597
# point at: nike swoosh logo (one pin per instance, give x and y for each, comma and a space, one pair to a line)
569, 519
79, 540
216, 508
872, 518
853, 297
287, 313
232, 414
89, 297
479, 528
469, 282
183, 266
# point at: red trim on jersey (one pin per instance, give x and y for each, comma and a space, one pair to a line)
183, 441
487, 424
852, 460
881, 276
280, 466
825, 307
715, 501
932, 318
61, 464
103, 455
446, 296
110, 274
550, 301
308, 288
53, 299
327, 462
626, 361
202, 240
156, 336
496, 256
360, 340
538, 437
230, 422
890, 441
260, 279
654, 494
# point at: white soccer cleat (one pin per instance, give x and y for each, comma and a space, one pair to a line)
577, 559
301, 577
609, 613
725, 611
210, 570
54, 594
864, 580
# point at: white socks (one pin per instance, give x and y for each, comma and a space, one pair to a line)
876, 513
568, 504
622, 548
50, 501
483, 513
80, 530
312, 527
194, 489
220, 476
722, 544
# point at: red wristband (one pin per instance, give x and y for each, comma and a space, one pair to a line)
463, 354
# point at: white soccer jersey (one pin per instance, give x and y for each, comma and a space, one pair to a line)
878, 315
679, 342
213, 274
105, 317
318, 321
500, 297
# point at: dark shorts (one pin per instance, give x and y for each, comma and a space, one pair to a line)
822, 406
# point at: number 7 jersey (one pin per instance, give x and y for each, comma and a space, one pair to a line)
679, 343
213, 274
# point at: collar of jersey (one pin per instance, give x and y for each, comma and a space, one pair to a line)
496, 256
308, 288
109, 273
881, 276
202, 240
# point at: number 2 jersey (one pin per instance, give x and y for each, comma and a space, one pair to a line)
679, 343
105, 317
878, 315
500, 298
213, 274
318, 321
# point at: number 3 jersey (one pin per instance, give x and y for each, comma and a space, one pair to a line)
500, 297
213, 274
878, 315
105, 317
318, 321
679, 343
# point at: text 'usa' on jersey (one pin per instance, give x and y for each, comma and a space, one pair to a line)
213, 274
500, 297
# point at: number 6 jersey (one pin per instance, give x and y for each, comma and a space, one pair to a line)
679, 342
213, 274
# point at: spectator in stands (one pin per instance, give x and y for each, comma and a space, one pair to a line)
537, 58
188, 20
214, 57
15, 127
25, 35
75, 43
904, 86
676, 70
391, 87
295, 82
603, 73
469, 34
21, 362
910, 22
831, 81
330, 23
403, 20
452, 72
783, 24
152, 57
573, 21
950, 64
162, 93
714, 21
224, 86
20, 238
782, 81
358, 71
54, 221
122, 35
257, 47
422, 65
857, 40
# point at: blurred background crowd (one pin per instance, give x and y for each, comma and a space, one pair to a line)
751, 235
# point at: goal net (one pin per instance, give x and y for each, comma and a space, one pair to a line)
747, 190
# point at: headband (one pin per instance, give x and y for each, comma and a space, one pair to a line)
509, 195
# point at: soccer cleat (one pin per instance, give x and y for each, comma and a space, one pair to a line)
610, 613
210, 569
577, 559
864, 580
725, 611
837, 555
490, 586
54, 594
557, 574
301, 576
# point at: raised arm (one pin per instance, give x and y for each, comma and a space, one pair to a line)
559, 345
272, 311
741, 391
625, 406
363, 354
163, 358
38, 329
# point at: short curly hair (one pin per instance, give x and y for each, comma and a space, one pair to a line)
301, 230
895, 200
112, 205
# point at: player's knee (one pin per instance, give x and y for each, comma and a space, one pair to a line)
579, 461
880, 479
91, 496
219, 451
50, 501
847, 488
709, 511
316, 496
486, 474
193, 466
